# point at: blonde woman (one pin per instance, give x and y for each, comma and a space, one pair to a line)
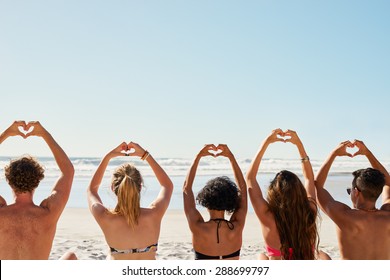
131, 231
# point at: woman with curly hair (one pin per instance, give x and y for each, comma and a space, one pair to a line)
217, 238
131, 231
289, 214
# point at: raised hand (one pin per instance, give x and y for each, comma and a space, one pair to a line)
15, 129
121, 150
362, 149
36, 129
135, 150
341, 150
208, 150
277, 135
294, 139
224, 151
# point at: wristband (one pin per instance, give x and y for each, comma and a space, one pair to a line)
145, 156
306, 158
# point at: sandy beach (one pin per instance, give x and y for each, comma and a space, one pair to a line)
77, 231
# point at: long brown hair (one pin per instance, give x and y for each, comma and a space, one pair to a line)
126, 184
295, 218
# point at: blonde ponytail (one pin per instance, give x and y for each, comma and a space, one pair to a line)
127, 183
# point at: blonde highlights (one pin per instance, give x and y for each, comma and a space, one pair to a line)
295, 218
126, 184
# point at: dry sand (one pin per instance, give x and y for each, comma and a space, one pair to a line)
77, 231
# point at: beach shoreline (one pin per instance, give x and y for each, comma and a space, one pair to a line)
77, 231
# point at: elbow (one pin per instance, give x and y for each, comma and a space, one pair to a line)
249, 181
250, 176
69, 170
168, 186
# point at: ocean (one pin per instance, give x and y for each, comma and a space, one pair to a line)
339, 178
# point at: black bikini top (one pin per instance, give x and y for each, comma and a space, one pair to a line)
200, 256
218, 221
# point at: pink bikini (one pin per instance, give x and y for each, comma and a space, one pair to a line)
272, 252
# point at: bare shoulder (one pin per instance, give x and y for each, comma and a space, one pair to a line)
33, 214
100, 212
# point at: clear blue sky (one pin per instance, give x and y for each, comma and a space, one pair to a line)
173, 75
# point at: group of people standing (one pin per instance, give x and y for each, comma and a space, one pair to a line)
288, 214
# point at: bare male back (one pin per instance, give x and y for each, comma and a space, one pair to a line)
363, 231
364, 235
27, 230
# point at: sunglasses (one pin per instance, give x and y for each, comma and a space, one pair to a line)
349, 190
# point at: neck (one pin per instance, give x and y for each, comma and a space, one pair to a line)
23, 198
215, 214
368, 210
368, 207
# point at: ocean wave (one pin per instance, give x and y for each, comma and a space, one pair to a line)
85, 167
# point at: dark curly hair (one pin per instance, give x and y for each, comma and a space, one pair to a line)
370, 182
221, 194
24, 174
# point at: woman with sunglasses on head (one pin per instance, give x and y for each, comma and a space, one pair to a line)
219, 237
131, 231
288, 215
363, 231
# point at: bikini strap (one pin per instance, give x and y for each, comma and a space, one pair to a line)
228, 223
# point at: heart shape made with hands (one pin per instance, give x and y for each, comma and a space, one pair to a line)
215, 153
128, 151
283, 136
353, 150
26, 129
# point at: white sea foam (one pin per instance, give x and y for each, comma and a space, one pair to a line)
339, 178
85, 167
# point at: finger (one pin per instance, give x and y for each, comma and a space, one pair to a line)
289, 131
350, 145
33, 123
281, 133
358, 142
213, 147
222, 147
208, 147
20, 123
345, 142
123, 146
349, 155
133, 145
29, 125
357, 153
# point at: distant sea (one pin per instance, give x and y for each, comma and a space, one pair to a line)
339, 179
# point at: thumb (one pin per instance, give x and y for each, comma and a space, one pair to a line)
357, 153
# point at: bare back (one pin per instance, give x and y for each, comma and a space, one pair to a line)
364, 235
26, 232
120, 236
205, 238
